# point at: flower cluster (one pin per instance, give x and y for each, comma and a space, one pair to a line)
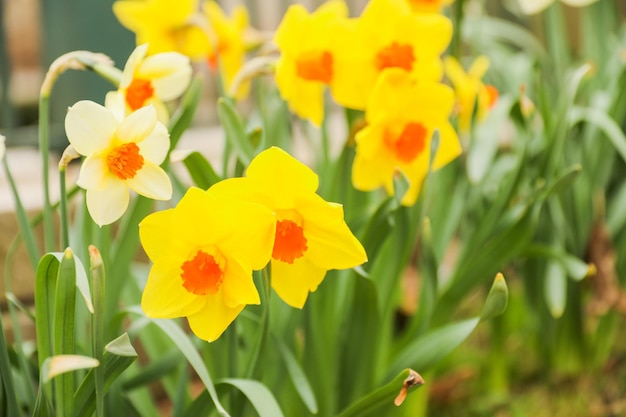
204, 249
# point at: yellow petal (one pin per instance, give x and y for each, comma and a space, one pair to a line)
449, 146
331, 244
479, 67
281, 176
238, 286
156, 233
293, 282
213, 318
89, 127
164, 295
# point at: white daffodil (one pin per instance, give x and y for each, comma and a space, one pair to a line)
151, 80
120, 155
537, 6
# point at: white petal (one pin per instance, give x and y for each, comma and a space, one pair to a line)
169, 72
108, 204
534, 6
131, 65
114, 101
93, 173
89, 127
151, 181
578, 3
138, 125
155, 146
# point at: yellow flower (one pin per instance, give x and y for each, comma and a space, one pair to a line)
167, 25
311, 234
387, 35
307, 61
203, 253
537, 6
151, 80
121, 155
428, 6
402, 115
229, 51
470, 90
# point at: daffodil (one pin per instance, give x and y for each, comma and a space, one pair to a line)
152, 80
428, 6
387, 35
203, 252
121, 155
166, 25
470, 90
229, 51
311, 234
537, 6
307, 63
402, 116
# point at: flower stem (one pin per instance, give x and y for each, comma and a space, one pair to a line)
44, 148
265, 324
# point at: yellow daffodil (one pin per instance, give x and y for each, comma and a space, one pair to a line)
166, 25
470, 90
229, 51
387, 35
311, 234
428, 6
120, 155
537, 6
152, 80
307, 61
203, 253
402, 115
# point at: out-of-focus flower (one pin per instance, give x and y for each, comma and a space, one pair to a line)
308, 61
151, 80
203, 253
470, 90
229, 51
166, 25
387, 35
428, 6
121, 155
537, 6
311, 234
402, 115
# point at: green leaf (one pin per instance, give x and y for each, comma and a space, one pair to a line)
60, 364
181, 340
119, 354
201, 170
555, 288
6, 378
45, 285
97, 323
384, 396
605, 123
258, 394
64, 318
235, 131
426, 351
497, 299
575, 267
297, 376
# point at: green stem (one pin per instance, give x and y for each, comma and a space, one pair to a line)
97, 326
44, 148
65, 227
265, 324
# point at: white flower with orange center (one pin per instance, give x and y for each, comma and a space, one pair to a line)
152, 80
120, 155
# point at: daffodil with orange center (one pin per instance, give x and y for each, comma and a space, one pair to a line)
307, 63
402, 116
203, 252
229, 51
387, 35
470, 91
166, 25
311, 236
121, 155
428, 6
151, 80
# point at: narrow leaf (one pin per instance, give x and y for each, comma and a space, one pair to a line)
60, 364
235, 131
258, 394
497, 299
297, 376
